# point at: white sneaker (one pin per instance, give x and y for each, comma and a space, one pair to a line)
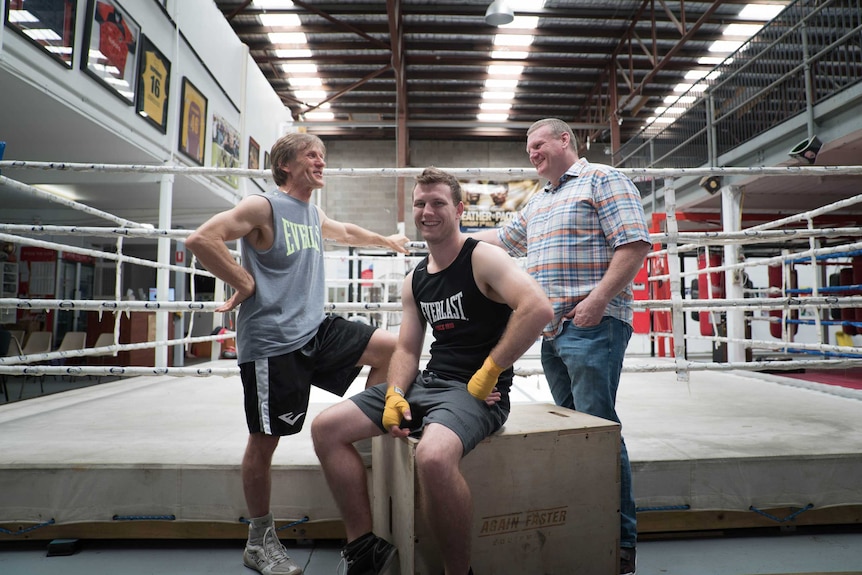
270, 558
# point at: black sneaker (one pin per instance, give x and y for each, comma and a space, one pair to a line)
372, 557
627, 560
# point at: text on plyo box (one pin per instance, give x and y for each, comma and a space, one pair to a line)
522, 521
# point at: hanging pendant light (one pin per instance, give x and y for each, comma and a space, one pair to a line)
498, 13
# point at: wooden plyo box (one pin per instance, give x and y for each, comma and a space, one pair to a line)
545, 497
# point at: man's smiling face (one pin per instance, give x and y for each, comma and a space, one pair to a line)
434, 211
306, 170
547, 152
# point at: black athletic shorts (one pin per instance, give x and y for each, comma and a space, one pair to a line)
277, 388
436, 400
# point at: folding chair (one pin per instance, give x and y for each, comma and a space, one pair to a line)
14, 350
18, 334
104, 340
37, 342
72, 341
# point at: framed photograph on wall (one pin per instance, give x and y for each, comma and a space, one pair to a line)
49, 24
253, 154
225, 149
110, 48
193, 115
266, 163
154, 75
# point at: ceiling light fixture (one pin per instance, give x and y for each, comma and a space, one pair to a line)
499, 14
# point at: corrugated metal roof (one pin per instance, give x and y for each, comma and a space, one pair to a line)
581, 48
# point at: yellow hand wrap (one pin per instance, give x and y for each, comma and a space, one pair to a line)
395, 407
483, 381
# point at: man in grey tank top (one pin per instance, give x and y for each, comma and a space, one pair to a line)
285, 343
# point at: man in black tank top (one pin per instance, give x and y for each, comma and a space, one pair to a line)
484, 312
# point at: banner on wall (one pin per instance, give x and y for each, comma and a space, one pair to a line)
37, 272
225, 149
491, 204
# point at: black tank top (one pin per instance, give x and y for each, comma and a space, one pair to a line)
465, 324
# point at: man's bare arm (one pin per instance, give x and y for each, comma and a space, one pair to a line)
251, 217
353, 235
404, 364
501, 279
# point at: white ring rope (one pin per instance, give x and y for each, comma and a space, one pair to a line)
777, 291
101, 254
124, 371
95, 231
672, 238
687, 366
177, 306
778, 345
22, 187
469, 173
654, 305
109, 232
109, 349
698, 239
127, 371
752, 303
833, 250
806, 216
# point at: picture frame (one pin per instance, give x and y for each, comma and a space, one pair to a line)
226, 148
193, 116
48, 24
266, 163
253, 154
154, 82
111, 46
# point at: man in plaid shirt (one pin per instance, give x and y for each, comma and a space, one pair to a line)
585, 237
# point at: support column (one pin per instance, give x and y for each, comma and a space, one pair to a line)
179, 320
731, 219
166, 199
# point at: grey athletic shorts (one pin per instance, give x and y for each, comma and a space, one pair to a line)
276, 389
443, 401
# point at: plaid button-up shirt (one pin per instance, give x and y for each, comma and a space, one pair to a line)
568, 234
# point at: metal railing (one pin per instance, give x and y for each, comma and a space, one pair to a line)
807, 54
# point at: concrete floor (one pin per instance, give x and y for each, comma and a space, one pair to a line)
809, 553
799, 419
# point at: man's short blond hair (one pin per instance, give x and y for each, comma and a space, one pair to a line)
558, 128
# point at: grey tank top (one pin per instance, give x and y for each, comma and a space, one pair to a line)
287, 306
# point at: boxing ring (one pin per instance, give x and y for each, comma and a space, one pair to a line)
734, 440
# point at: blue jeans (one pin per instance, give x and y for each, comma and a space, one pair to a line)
582, 366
